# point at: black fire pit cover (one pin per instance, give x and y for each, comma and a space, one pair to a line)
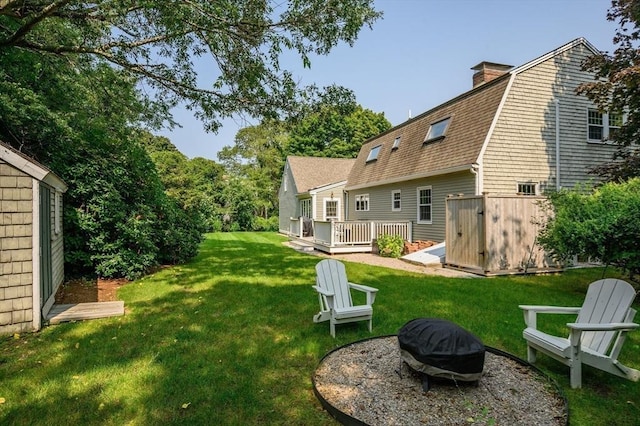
440, 348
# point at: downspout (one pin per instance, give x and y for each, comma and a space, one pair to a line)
557, 103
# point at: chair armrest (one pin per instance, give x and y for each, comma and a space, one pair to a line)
371, 292
322, 291
530, 312
603, 327
550, 309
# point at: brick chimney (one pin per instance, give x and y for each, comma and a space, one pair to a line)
487, 71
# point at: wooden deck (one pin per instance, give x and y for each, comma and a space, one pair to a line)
84, 311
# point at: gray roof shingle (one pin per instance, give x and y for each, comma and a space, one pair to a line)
313, 172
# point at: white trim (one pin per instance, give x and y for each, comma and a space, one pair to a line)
418, 189
359, 197
393, 192
317, 189
31, 168
35, 256
412, 177
555, 52
324, 208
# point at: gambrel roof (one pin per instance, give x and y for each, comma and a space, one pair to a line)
471, 117
314, 172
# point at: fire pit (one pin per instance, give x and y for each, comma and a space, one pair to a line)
365, 383
438, 348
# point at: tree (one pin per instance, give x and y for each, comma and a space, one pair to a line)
601, 225
164, 43
617, 88
334, 125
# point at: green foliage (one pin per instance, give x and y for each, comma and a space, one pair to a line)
390, 245
157, 43
269, 225
602, 224
78, 119
334, 125
616, 88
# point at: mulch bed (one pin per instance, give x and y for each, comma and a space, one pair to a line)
85, 291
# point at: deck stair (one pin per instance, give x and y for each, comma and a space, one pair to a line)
301, 246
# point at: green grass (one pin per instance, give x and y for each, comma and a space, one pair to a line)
229, 339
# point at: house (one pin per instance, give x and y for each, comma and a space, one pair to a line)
519, 131
31, 241
312, 188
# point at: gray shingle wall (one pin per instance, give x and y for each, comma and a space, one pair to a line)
16, 273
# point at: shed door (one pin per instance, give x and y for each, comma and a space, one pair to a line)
46, 279
465, 232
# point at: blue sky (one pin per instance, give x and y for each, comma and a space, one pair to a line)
420, 54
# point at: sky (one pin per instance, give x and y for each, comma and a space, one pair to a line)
420, 55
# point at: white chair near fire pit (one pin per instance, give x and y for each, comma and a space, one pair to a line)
597, 335
334, 294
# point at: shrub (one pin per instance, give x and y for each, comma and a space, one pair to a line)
390, 245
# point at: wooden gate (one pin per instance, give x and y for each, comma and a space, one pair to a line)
493, 234
464, 234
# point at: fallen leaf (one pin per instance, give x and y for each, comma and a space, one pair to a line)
186, 405
16, 336
2, 400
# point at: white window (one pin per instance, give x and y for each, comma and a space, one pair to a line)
305, 208
396, 205
362, 203
602, 127
437, 130
331, 209
396, 143
424, 204
527, 188
373, 154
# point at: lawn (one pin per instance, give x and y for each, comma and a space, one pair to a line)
229, 339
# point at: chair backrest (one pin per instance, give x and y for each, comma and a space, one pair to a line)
607, 301
332, 276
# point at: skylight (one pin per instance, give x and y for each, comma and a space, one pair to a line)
373, 154
437, 129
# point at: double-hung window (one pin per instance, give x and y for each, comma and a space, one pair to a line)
396, 205
424, 204
602, 127
331, 211
362, 203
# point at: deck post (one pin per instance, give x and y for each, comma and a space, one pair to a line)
332, 236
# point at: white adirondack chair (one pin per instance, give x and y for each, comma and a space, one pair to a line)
334, 294
597, 336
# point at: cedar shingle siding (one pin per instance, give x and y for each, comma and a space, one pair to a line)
16, 273
24, 247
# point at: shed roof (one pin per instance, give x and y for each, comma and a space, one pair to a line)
314, 172
31, 167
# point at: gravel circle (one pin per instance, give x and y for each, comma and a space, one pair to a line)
367, 383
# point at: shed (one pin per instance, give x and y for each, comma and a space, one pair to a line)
31, 241
496, 234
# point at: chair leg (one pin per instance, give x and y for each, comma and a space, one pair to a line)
370, 324
576, 375
531, 354
332, 328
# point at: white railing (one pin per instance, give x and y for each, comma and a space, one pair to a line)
335, 233
295, 226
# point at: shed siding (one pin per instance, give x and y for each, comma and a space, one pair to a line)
522, 147
441, 187
16, 270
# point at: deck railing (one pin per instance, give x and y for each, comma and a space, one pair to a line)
354, 233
